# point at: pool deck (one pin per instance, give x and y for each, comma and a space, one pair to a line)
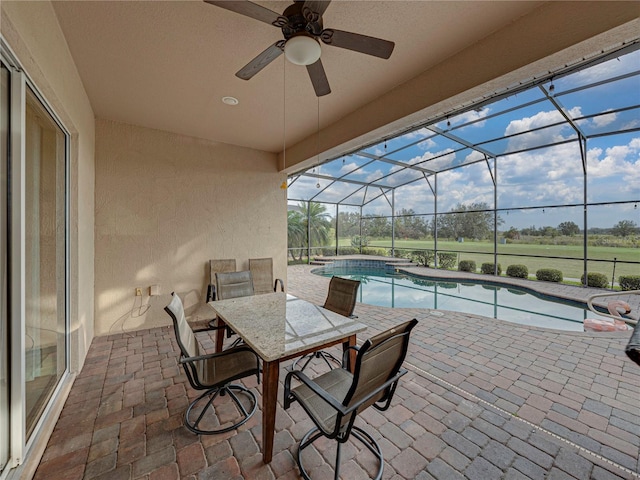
529, 393
484, 399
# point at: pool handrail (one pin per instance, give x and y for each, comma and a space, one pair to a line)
629, 321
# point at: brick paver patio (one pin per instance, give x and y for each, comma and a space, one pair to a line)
484, 399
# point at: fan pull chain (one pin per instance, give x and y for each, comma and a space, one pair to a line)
318, 143
284, 184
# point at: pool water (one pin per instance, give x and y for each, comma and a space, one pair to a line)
388, 289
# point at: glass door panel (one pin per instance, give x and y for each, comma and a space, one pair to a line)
45, 272
4, 286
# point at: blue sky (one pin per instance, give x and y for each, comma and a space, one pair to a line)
551, 175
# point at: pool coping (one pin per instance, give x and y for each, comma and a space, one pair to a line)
570, 293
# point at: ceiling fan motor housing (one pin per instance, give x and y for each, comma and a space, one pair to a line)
298, 19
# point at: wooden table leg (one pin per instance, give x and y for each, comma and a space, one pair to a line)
270, 372
351, 342
220, 335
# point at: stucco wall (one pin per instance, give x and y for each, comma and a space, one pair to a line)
33, 34
165, 205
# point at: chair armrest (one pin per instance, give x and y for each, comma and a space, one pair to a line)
345, 355
223, 353
275, 285
209, 328
317, 389
330, 399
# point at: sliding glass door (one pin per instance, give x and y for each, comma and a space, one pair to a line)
4, 284
34, 321
45, 259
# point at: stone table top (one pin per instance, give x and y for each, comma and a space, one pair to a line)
277, 325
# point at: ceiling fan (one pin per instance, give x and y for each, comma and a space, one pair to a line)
301, 25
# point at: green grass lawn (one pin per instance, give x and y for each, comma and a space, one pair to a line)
570, 268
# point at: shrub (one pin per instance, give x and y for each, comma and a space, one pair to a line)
328, 252
629, 282
594, 279
357, 241
467, 266
489, 268
549, 275
400, 253
422, 257
348, 251
518, 271
374, 251
447, 261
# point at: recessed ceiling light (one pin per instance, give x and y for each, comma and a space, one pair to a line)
230, 100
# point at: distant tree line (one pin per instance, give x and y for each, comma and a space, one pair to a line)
623, 228
471, 221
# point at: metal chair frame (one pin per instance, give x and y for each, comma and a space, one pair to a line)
379, 397
221, 387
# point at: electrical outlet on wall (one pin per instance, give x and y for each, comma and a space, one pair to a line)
138, 292
154, 290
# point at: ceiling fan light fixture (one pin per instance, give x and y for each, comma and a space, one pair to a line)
302, 50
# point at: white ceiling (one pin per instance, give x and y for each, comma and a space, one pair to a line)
167, 64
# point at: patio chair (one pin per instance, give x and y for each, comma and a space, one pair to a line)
334, 400
341, 299
262, 271
213, 373
218, 266
234, 285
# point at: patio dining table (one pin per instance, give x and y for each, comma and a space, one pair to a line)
280, 327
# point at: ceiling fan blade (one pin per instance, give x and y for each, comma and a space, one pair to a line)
248, 9
358, 43
317, 6
319, 78
261, 61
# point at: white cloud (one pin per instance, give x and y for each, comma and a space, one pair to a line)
348, 167
370, 177
604, 120
548, 135
602, 71
619, 161
473, 156
419, 133
468, 117
426, 144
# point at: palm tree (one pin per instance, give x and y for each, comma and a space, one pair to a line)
296, 231
298, 227
320, 223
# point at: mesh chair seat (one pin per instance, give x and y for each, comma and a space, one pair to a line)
336, 383
227, 367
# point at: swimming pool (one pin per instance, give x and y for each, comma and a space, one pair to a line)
386, 288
